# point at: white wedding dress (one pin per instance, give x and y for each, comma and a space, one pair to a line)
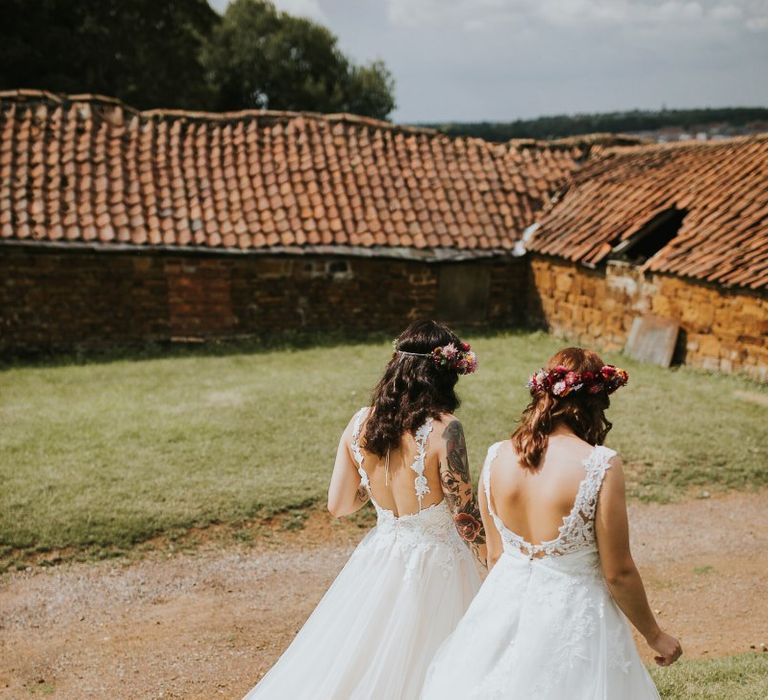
544, 626
399, 596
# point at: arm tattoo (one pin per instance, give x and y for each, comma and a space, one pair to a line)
456, 450
457, 488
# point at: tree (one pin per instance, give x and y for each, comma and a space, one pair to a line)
146, 52
371, 90
563, 125
260, 57
180, 53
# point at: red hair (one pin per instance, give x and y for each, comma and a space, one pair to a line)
582, 412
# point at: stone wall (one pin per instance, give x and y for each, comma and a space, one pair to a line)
721, 329
53, 300
59, 300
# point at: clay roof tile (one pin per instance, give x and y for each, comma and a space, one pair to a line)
211, 180
721, 187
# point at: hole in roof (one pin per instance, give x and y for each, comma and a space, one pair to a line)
654, 235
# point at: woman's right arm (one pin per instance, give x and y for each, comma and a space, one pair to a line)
621, 574
457, 489
346, 494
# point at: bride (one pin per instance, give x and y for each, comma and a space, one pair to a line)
412, 577
547, 622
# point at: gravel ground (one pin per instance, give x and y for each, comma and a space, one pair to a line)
208, 624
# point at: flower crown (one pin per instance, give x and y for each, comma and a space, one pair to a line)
460, 359
560, 381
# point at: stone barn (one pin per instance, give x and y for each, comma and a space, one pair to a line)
121, 227
679, 231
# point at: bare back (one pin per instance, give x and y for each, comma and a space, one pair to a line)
392, 479
533, 503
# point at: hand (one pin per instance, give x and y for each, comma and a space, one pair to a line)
666, 646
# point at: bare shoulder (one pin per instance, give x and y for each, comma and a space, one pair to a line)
614, 475
444, 420
447, 428
505, 462
505, 450
568, 454
452, 448
505, 453
351, 423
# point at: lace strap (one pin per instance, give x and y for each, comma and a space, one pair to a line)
596, 465
420, 482
356, 425
490, 457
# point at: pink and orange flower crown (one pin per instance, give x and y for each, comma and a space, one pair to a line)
561, 382
461, 359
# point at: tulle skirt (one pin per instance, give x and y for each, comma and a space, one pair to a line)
377, 628
543, 629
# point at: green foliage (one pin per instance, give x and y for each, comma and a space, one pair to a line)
142, 51
106, 454
562, 125
742, 677
182, 54
263, 58
371, 90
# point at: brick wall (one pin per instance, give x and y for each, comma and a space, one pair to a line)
60, 300
53, 300
722, 329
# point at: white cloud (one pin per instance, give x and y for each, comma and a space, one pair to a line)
303, 8
507, 59
219, 5
726, 12
299, 8
474, 14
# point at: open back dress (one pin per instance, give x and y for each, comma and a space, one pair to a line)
544, 625
402, 592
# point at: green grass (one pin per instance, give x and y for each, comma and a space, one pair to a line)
108, 453
743, 677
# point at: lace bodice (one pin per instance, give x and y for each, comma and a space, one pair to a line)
420, 485
577, 533
430, 529
544, 624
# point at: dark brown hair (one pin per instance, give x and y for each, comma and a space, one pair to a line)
582, 412
412, 388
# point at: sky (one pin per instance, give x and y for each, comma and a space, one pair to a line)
500, 60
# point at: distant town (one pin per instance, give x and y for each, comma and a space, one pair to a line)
661, 126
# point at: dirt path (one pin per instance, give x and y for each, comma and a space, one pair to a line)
207, 625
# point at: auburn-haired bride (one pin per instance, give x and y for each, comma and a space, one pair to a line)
549, 621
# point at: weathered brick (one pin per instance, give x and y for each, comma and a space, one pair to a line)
60, 300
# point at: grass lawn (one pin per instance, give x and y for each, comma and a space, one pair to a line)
109, 453
742, 677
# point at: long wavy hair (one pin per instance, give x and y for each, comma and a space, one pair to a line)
412, 388
582, 412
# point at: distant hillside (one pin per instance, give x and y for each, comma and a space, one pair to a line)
637, 121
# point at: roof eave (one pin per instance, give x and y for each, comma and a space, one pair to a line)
428, 255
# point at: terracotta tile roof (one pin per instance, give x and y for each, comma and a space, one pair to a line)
723, 186
88, 169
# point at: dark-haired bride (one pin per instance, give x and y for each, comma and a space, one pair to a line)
412, 577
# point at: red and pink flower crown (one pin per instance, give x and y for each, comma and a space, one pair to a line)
460, 359
560, 381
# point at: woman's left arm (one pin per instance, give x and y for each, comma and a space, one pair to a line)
492, 537
457, 488
346, 494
